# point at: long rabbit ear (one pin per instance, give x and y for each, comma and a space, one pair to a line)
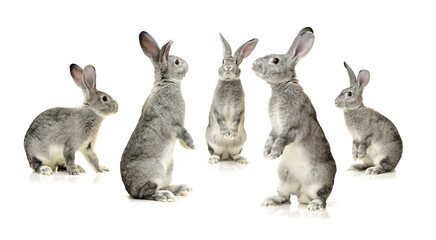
226, 47
76, 72
363, 78
164, 52
149, 46
301, 45
351, 75
89, 79
245, 50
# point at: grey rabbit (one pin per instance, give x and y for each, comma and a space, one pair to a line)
147, 161
376, 140
307, 168
225, 134
57, 134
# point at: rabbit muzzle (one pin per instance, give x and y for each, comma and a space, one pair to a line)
258, 68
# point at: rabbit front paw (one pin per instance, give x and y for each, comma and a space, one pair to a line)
74, 170
233, 133
276, 152
102, 169
225, 132
267, 151
355, 156
187, 145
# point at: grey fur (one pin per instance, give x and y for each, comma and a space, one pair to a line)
225, 134
57, 134
147, 161
307, 168
376, 140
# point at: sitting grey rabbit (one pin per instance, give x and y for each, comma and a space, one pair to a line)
57, 134
376, 140
147, 161
225, 134
307, 168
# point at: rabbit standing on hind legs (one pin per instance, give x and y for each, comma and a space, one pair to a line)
376, 141
225, 134
57, 134
147, 161
307, 168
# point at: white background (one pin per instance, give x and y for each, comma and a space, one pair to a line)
394, 40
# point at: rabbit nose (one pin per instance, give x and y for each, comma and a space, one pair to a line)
228, 68
336, 103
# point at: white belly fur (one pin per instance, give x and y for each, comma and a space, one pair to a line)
374, 154
295, 160
55, 157
167, 158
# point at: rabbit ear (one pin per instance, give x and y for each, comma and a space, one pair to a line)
164, 52
245, 50
76, 72
351, 75
363, 78
301, 45
227, 49
149, 46
89, 77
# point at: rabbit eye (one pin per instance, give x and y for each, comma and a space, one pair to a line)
349, 94
104, 99
274, 60
177, 62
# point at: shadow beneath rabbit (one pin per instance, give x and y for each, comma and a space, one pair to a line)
297, 210
227, 166
383, 177
64, 177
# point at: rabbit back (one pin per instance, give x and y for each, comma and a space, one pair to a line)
148, 156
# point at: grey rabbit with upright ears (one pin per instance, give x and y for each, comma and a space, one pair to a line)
225, 134
376, 140
57, 134
307, 168
147, 161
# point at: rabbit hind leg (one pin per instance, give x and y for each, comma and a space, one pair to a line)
284, 190
315, 196
215, 153
40, 166
235, 155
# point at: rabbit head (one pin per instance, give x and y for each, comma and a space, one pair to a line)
229, 69
165, 66
351, 97
100, 102
276, 68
